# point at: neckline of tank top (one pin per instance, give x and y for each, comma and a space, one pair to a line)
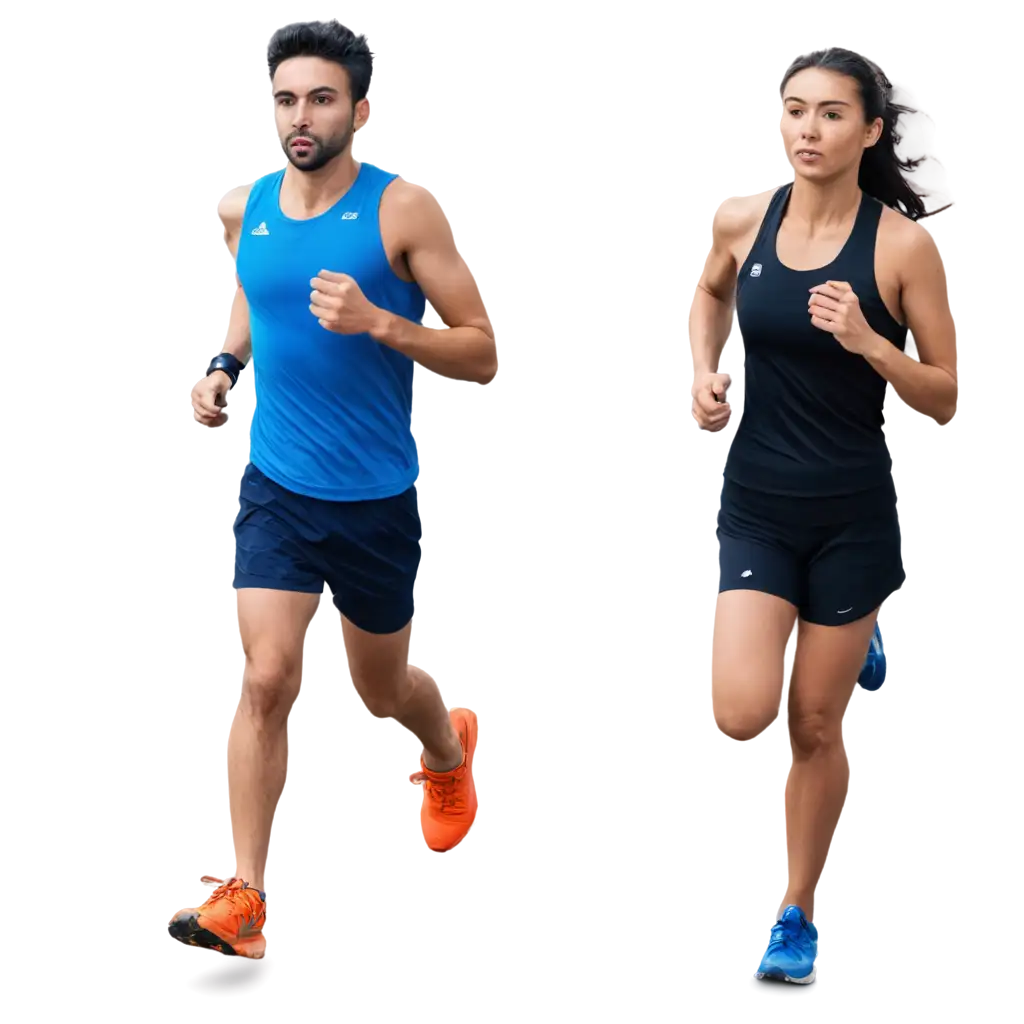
780, 216
347, 194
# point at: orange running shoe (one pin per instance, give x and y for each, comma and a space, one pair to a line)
230, 921
449, 798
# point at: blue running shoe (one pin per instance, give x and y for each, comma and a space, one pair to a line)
792, 950
872, 673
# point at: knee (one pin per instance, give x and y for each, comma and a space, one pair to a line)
270, 685
744, 723
389, 692
811, 732
745, 703
741, 719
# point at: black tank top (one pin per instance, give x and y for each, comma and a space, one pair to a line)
812, 413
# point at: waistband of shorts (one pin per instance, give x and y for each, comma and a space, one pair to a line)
879, 500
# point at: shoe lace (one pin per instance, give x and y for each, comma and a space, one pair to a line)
783, 938
445, 792
227, 890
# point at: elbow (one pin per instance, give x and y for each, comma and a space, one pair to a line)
944, 415
949, 411
489, 369
944, 411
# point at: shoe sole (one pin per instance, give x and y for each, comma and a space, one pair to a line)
470, 752
186, 932
780, 976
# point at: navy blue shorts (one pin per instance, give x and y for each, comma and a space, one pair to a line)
835, 559
367, 552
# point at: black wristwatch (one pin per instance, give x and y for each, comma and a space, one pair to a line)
230, 364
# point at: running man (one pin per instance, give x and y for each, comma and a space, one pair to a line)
827, 274
335, 261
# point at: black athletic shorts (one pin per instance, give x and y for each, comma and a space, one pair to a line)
836, 559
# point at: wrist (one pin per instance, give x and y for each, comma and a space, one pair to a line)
230, 365
385, 328
701, 375
696, 372
877, 349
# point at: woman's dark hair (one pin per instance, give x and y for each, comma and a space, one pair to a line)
881, 170
329, 40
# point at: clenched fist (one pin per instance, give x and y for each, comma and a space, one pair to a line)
340, 305
834, 307
710, 409
209, 399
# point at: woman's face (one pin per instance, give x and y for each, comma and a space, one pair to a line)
823, 124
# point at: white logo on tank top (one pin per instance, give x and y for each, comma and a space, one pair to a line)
749, 572
755, 270
262, 229
350, 216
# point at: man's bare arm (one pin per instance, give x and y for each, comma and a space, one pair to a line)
466, 349
231, 210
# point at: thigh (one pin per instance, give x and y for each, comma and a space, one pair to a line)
751, 633
273, 626
370, 561
857, 566
377, 662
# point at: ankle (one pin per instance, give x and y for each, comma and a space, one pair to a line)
444, 756
803, 900
253, 879
440, 764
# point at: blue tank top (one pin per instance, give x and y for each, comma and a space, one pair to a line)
333, 411
812, 413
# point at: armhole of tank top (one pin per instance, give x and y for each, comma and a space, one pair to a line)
744, 270
225, 257
259, 186
389, 269
384, 181
873, 239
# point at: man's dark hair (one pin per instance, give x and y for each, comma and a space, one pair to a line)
329, 40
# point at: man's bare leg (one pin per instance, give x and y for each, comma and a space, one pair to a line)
392, 688
267, 626
273, 625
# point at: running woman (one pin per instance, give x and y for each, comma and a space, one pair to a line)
827, 274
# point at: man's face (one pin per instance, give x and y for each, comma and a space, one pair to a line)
315, 115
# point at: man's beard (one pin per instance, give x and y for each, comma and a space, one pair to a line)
323, 152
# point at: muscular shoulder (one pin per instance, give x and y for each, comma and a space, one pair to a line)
410, 210
902, 236
231, 209
412, 219
738, 217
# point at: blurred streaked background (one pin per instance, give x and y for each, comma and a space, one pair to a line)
567, 516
